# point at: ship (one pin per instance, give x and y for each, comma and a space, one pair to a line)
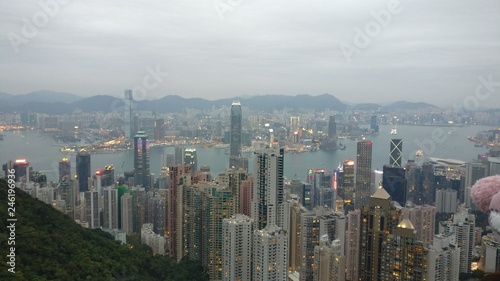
419, 153
394, 131
453, 132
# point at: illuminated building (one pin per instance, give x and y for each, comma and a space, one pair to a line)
141, 159
64, 170
329, 261
344, 175
352, 244
83, 170
322, 193
294, 211
237, 233
423, 218
108, 176
363, 173
379, 218
270, 253
191, 158
268, 188
443, 261
191, 223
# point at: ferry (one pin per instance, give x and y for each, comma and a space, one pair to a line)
419, 153
394, 131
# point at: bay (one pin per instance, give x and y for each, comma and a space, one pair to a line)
43, 152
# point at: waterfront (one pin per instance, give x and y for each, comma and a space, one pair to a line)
43, 153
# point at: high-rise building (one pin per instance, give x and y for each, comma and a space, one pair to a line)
158, 213
268, 194
110, 207
404, 258
446, 201
363, 173
179, 155
294, 211
329, 261
217, 205
64, 170
332, 128
379, 218
294, 128
237, 234
374, 128
443, 261
191, 227
352, 244
396, 152
129, 115
83, 170
376, 180
322, 193
141, 159
246, 193
414, 187
345, 184
127, 213
423, 218
394, 182
91, 209
321, 221
235, 130
473, 172
191, 158
108, 176
270, 253
462, 229
490, 254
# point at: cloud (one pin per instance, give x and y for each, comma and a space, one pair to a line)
430, 51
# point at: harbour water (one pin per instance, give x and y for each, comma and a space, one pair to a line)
43, 153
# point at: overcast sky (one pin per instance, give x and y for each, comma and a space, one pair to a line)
430, 51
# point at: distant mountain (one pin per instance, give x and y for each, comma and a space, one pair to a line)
367, 107
404, 105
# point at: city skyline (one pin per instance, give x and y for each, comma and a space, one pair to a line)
252, 48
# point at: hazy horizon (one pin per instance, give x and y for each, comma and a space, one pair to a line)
375, 52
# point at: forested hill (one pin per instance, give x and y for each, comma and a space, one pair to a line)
50, 246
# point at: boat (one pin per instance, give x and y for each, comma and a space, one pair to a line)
453, 132
419, 153
394, 131
478, 145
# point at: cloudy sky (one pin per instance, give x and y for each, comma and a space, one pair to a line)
359, 51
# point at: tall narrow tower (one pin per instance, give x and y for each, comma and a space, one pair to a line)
268, 195
83, 170
129, 116
141, 159
363, 173
396, 152
235, 144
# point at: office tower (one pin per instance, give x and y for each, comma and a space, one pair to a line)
423, 218
404, 258
179, 155
108, 176
64, 170
490, 254
443, 262
127, 213
237, 233
21, 169
345, 184
352, 244
363, 173
332, 128
428, 183
110, 208
414, 187
92, 214
394, 182
376, 180
235, 130
268, 188
246, 192
374, 128
217, 205
473, 172
446, 201
141, 159
129, 115
270, 252
321, 221
462, 228
191, 158
329, 261
379, 218
294, 211
83, 170
191, 227
322, 193
396, 152
174, 200
159, 215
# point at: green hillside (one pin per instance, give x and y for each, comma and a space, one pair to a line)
50, 246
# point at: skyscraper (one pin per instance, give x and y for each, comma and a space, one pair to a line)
394, 182
64, 170
270, 254
329, 261
374, 128
268, 187
179, 155
423, 217
141, 159
352, 244
129, 115
190, 158
110, 210
235, 143
83, 170
396, 152
443, 261
332, 128
345, 184
363, 173
237, 234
